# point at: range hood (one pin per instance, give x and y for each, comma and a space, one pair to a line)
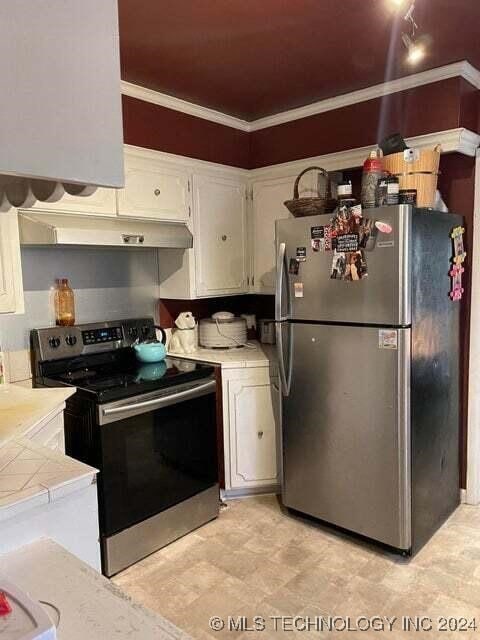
77, 230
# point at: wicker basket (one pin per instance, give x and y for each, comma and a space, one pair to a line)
420, 174
322, 203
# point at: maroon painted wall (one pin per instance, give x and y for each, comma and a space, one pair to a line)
434, 107
149, 125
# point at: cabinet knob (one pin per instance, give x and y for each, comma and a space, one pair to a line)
224, 237
157, 192
260, 434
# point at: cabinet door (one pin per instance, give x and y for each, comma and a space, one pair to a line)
11, 288
102, 202
253, 415
268, 199
220, 236
154, 189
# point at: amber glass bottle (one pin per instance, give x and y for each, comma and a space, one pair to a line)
64, 303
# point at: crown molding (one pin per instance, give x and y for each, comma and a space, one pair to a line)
186, 162
461, 69
458, 69
191, 109
458, 140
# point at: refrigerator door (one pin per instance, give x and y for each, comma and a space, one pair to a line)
382, 298
346, 430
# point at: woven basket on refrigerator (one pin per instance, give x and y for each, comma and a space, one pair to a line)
421, 174
322, 203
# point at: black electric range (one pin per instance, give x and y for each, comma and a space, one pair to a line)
150, 429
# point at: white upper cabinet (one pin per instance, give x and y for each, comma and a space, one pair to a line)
268, 198
154, 189
102, 202
220, 235
11, 287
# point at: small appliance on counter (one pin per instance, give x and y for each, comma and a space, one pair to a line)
267, 331
222, 331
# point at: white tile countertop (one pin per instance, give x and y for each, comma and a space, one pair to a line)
33, 475
91, 607
262, 355
21, 409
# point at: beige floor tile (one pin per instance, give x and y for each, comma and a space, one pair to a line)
257, 559
202, 576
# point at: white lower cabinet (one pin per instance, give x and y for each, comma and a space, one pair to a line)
11, 283
251, 412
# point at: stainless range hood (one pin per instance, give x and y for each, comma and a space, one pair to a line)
77, 230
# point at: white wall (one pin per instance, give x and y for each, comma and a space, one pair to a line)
109, 284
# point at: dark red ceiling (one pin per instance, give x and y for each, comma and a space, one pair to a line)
252, 58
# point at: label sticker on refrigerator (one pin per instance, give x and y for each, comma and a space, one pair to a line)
385, 243
298, 289
387, 339
293, 267
301, 254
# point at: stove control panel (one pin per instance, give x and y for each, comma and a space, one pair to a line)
102, 335
55, 343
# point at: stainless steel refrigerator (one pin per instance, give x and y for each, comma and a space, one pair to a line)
370, 377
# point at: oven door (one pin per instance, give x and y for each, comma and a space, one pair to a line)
156, 451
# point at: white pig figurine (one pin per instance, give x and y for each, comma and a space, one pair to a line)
183, 336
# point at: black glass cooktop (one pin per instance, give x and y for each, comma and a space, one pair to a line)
121, 377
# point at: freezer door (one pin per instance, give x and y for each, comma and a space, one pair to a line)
382, 298
346, 430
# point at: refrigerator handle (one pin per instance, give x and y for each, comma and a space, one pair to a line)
281, 270
285, 376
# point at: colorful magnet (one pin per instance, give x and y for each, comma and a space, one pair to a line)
459, 255
327, 232
317, 235
293, 267
301, 254
383, 227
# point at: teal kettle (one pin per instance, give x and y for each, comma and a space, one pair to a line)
152, 350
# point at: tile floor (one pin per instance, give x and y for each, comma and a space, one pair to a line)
256, 560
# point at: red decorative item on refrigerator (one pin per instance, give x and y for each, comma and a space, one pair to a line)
372, 171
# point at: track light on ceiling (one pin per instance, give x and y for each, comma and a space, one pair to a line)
415, 50
416, 47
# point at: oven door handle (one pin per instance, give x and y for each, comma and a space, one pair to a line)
164, 401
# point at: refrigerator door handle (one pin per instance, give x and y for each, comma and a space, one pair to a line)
285, 375
281, 270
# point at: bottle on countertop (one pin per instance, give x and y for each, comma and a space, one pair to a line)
372, 171
64, 303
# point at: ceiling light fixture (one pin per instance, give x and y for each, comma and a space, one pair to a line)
415, 47
416, 50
